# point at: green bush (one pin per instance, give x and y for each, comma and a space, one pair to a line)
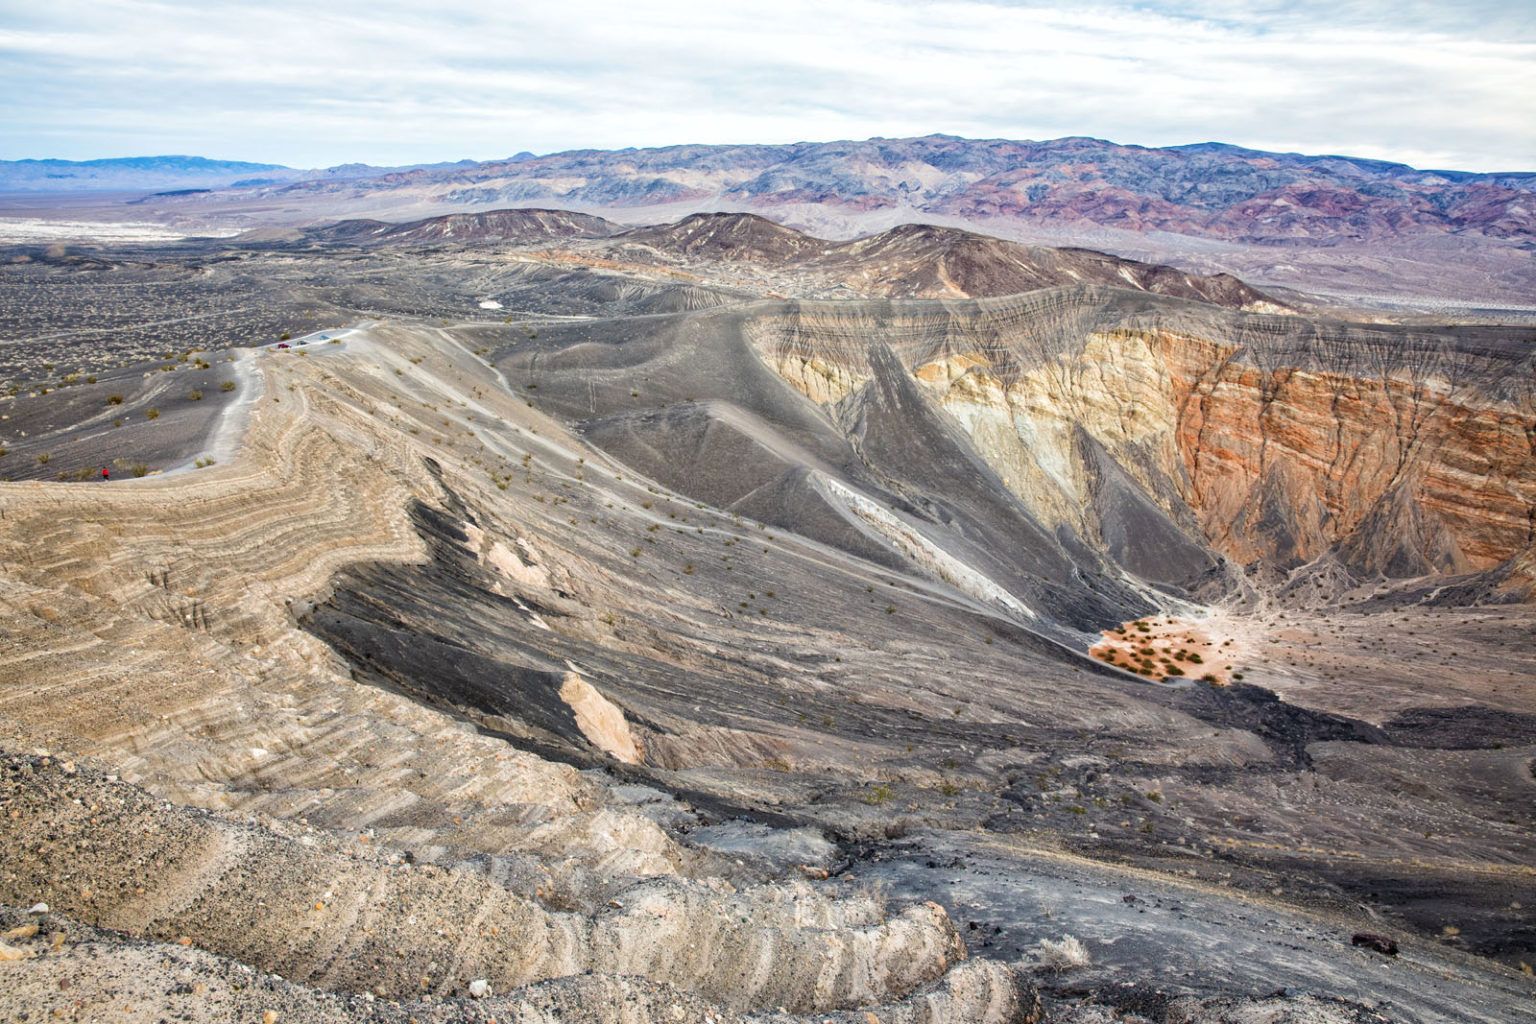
878, 795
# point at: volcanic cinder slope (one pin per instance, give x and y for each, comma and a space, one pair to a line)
695, 656
914, 261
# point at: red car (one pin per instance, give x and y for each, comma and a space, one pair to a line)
282, 344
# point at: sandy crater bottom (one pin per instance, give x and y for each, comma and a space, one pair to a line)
1164, 647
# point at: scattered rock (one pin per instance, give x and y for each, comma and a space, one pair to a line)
1377, 943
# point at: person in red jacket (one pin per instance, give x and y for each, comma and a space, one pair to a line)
106, 474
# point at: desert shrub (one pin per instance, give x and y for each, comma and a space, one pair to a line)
878, 795
194, 395
151, 413
42, 460
228, 385
139, 469
114, 399
1064, 955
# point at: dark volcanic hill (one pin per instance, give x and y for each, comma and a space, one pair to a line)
511, 227
735, 237
924, 261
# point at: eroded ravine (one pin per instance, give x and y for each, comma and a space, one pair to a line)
154, 634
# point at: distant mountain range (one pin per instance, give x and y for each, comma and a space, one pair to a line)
171, 173
1209, 190
135, 173
1342, 223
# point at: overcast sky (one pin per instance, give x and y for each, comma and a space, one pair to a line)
386, 81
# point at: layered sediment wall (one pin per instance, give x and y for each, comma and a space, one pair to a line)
1405, 451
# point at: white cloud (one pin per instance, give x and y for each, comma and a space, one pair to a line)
387, 81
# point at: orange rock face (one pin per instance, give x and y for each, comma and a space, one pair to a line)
1407, 475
